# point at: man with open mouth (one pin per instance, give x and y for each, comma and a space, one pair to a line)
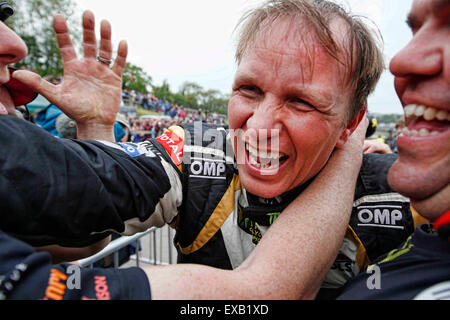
305, 70
420, 268
74, 193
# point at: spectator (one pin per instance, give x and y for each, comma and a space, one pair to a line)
399, 127
125, 125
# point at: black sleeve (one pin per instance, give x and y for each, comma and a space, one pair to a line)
28, 275
70, 192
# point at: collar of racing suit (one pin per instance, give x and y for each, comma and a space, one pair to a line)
264, 211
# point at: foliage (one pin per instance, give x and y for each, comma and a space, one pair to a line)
193, 96
135, 78
388, 117
33, 22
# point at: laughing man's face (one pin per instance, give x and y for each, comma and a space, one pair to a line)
287, 110
422, 82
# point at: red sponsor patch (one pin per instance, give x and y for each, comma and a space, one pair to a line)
101, 288
174, 146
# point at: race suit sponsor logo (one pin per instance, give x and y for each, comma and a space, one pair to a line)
173, 145
130, 149
381, 210
56, 288
101, 289
380, 216
344, 264
207, 168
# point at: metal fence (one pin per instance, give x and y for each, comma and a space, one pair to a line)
154, 246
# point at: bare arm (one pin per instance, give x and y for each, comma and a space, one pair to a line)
295, 254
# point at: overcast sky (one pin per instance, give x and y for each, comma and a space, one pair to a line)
181, 40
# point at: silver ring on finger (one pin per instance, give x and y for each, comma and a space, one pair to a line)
105, 61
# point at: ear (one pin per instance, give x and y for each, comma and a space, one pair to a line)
347, 132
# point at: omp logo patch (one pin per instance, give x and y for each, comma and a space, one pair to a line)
207, 168
382, 211
380, 216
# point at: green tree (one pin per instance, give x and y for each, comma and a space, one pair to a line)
163, 92
193, 96
33, 21
135, 78
213, 100
190, 88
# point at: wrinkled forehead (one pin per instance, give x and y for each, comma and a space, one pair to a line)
294, 36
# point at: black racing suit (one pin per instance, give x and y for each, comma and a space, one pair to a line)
417, 269
74, 193
26, 274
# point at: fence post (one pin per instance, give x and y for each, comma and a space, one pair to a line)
137, 253
154, 248
169, 231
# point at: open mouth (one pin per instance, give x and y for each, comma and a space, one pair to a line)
264, 159
422, 121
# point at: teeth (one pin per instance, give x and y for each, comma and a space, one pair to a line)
409, 110
428, 113
442, 115
422, 132
420, 110
262, 154
266, 160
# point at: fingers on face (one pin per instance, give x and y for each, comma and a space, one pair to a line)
35, 82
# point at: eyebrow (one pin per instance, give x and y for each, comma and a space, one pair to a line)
436, 6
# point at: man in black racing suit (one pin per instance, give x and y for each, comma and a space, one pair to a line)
218, 223
191, 178
73, 193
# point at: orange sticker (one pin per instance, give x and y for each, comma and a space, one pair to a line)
174, 146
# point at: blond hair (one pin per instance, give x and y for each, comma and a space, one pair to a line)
363, 55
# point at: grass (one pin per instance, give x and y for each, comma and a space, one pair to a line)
143, 112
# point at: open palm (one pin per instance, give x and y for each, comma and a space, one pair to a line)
91, 91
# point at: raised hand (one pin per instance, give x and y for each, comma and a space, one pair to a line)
91, 91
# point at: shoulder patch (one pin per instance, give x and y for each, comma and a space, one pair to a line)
130, 149
173, 144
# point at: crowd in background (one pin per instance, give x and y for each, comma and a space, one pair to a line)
143, 128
